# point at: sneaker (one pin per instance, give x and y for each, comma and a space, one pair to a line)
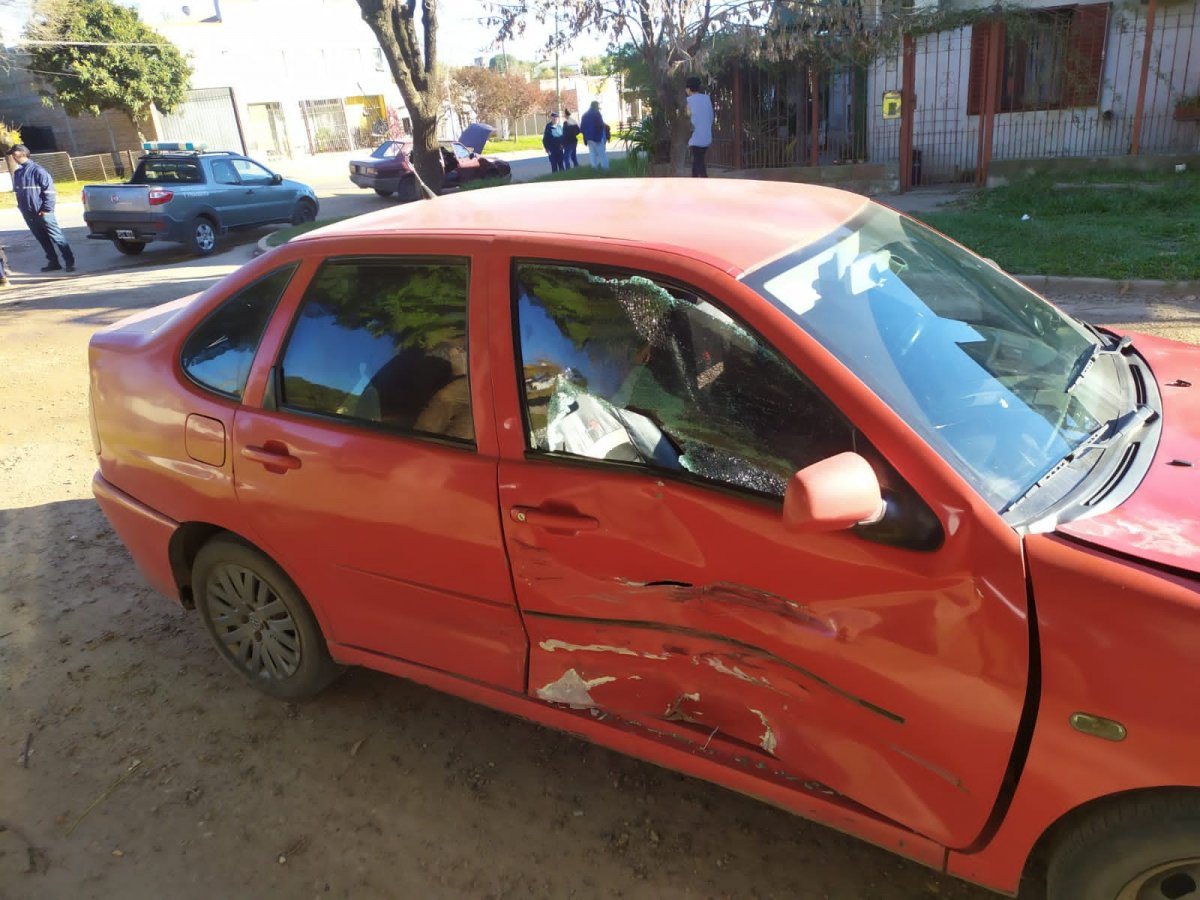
4, 282
54, 267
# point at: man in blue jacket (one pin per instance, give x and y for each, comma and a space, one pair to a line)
595, 135
36, 199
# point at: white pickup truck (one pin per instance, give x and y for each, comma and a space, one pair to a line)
182, 193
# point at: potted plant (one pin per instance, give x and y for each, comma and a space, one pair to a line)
1187, 108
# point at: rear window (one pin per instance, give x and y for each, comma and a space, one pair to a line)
218, 354
166, 170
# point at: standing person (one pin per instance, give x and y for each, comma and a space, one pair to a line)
701, 112
3, 268
570, 140
36, 199
552, 140
595, 135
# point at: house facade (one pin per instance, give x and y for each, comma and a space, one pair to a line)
1047, 80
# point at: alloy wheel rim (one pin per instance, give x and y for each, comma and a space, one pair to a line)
253, 623
204, 236
1175, 880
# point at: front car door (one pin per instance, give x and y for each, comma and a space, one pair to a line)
369, 471
266, 201
651, 433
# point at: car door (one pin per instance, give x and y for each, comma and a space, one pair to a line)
265, 200
648, 440
230, 199
369, 469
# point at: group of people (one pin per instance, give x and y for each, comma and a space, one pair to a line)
561, 139
37, 198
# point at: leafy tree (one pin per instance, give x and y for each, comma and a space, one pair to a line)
510, 65
409, 45
101, 55
492, 96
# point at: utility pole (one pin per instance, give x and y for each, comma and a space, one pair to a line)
557, 87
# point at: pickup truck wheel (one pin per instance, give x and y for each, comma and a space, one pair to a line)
304, 211
1147, 848
129, 248
260, 622
202, 237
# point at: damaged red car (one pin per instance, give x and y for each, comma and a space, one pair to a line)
764, 483
388, 170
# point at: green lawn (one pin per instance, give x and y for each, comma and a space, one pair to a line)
526, 142
1104, 224
620, 168
67, 190
283, 235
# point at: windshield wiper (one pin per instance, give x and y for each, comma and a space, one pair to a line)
1095, 351
1121, 428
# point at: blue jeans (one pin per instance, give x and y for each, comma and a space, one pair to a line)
569, 157
45, 229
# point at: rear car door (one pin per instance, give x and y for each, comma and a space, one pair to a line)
641, 493
364, 471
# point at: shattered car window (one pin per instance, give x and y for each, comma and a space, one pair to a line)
623, 368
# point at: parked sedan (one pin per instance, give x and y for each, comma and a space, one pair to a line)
389, 170
386, 171
764, 483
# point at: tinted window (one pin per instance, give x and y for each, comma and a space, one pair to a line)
384, 341
218, 353
624, 368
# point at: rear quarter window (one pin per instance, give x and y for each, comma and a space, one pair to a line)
218, 353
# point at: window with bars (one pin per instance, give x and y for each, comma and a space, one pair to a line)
1050, 59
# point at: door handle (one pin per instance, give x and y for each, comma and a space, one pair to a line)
271, 458
554, 521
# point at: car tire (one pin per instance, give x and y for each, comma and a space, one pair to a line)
303, 211
202, 236
129, 248
1143, 848
382, 193
260, 622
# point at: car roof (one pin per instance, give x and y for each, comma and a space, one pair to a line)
736, 224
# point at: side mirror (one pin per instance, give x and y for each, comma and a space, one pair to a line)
276, 178
833, 494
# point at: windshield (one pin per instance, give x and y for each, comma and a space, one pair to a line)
1001, 384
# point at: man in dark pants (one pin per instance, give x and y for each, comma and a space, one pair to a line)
36, 199
552, 141
701, 112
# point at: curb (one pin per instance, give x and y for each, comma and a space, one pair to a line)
261, 247
1126, 288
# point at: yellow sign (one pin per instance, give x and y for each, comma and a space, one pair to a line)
891, 104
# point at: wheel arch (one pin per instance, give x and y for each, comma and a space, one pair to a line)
1098, 807
186, 542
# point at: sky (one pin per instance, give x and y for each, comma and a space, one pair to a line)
462, 38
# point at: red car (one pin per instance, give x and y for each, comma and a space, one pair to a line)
764, 483
389, 171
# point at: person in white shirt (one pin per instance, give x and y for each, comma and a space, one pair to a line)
701, 112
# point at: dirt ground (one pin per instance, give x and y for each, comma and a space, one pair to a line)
132, 764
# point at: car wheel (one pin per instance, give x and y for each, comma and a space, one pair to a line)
304, 211
129, 248
202, 237
260, 622
382, 193
1147, 848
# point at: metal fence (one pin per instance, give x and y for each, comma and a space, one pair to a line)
1081, 81
97, 167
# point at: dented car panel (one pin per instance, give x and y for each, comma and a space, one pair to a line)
574, 504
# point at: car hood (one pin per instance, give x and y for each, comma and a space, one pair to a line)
475, 135
1160, 522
